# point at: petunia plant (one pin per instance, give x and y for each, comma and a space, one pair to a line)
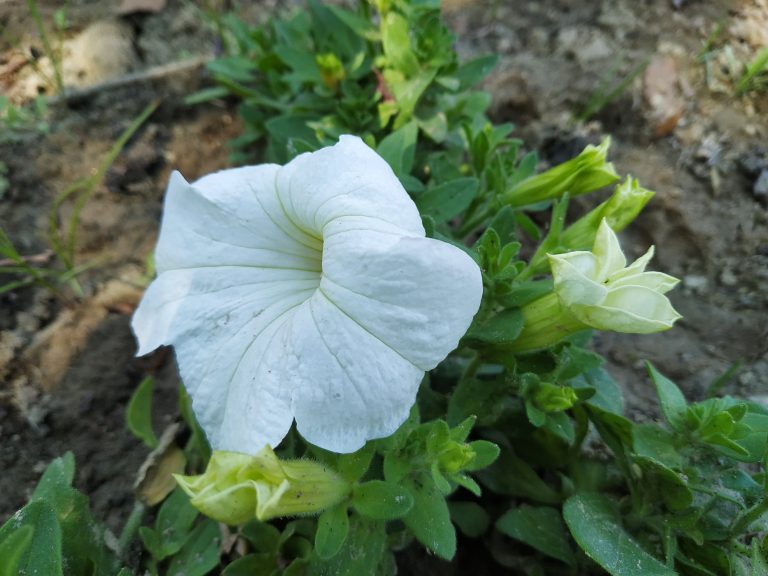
385, 354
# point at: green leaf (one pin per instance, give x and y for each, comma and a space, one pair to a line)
652, 441
448, 200
665, 483
541, 528
200, 553
252, 565
352, 466
754, 443
13, 547
362, 552
608, 394
595, 526
174, 522
485, 399
759, 563
82, 543
56, 481
673, 402
399, 147
396, 42
513, 476
470, 517
379, 500
430, 519
43, 552
486, 454
332, 530
262, 536
138, 415
502, 328
472, 72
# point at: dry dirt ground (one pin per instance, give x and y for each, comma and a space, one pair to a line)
66, 364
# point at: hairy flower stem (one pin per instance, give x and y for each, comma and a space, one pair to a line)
742, 522
130, 528
546, 323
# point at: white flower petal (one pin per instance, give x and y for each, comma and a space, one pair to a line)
658, 281
631, 309
342, 180
416, 295
607, 250
347, 386
231, 218
571, 284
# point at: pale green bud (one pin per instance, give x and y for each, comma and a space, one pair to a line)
598, 290
624, 205
331, 69
585, 173
552, 398
237, 487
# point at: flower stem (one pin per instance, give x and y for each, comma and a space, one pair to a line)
130, 528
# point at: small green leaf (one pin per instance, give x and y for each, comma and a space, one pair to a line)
449, 199
472, 72
652, 441
139, 413
379, 500
486, 454
200, 554
332, 530
470, 517
43, 551
174, 522
673, 402
396, 41
429, 519
513, 476
541, 528
13, 547
595, 526
352, 466
502, 328
252, 565
666, 483
608, 394
399, 147
262, 536
363, 550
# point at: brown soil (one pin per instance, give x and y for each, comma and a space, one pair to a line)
66, 365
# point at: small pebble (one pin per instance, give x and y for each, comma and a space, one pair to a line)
760, 189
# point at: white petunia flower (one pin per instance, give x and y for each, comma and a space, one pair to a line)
601, 291
306, 291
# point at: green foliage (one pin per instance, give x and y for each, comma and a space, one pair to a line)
55, 530
138, 415
755, 76
530, 451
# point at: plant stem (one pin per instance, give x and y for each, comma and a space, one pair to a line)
55, 62
742, 522
130, 528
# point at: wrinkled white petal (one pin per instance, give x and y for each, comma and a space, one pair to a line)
395, 286
608, 253
348, 179
306, 291
231, 218
657, 281
572, 286
631, 309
